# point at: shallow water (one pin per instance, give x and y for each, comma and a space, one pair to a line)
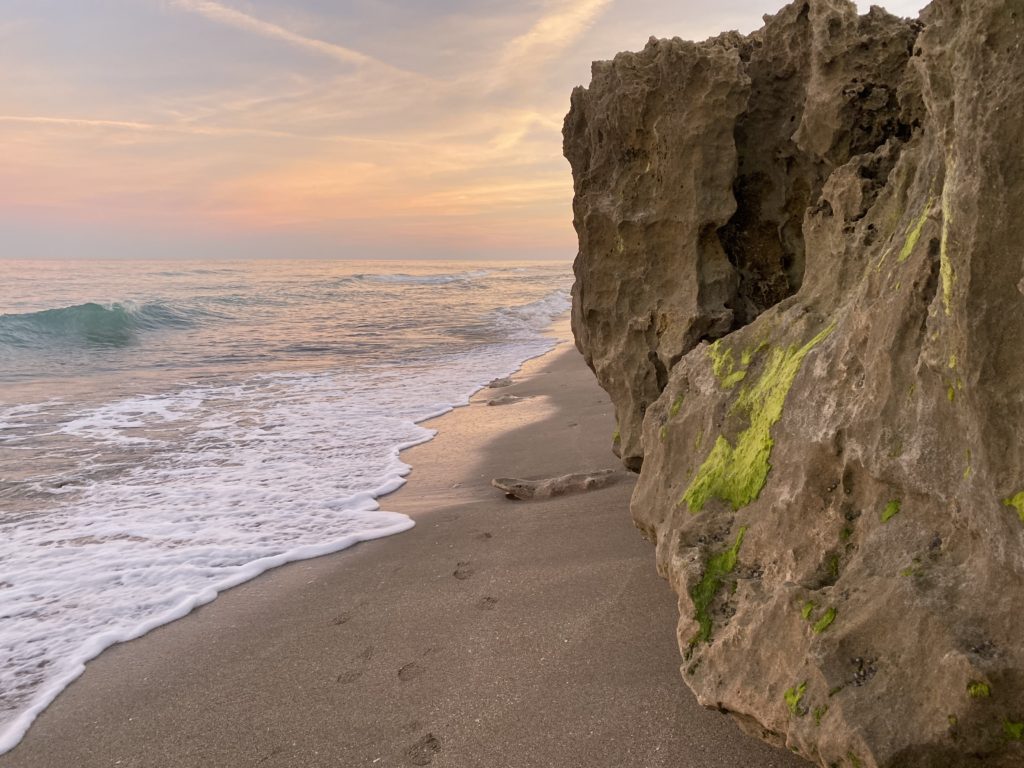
168, 430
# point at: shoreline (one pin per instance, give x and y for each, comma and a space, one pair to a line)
97, 645
492, 633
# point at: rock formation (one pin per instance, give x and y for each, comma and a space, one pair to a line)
801, 280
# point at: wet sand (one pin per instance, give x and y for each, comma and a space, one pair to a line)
495, 633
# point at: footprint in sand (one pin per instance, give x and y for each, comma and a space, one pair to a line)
351, 675
342, 618
463, 571
485, 536
423, 751
410, 671
487, 603
347, 678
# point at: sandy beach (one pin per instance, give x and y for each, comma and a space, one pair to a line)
494, 633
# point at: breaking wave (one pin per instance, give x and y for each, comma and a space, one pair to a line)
114, 324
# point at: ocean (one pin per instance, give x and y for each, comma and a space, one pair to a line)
171, 429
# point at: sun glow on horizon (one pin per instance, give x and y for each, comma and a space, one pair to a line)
390, 129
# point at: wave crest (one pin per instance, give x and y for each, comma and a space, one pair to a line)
115, 324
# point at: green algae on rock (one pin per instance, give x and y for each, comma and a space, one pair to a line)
736, 474
724, 366
704, 592
825, 621
891, 510
978, 690
915, 232
793, 696
1016, 502
677, 404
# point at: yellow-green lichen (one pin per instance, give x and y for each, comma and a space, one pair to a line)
807, 610
747, 357
736, 474
616, 436
734, 378
891, 510
825, 621
914, 233
724, 367
1013, 731
951, 393
793, 697
676, 405
912, 570
663, 432
703, 592
1016, 502
945, 265
833, 566
820, 712
952, 362
978, 690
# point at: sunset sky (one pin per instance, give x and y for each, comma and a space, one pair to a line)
310, 128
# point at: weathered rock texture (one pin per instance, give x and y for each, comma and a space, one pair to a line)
801, 280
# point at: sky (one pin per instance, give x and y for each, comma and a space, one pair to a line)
308, 128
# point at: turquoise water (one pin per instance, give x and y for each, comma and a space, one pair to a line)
168, 430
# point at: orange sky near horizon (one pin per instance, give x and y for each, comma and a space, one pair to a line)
211, 128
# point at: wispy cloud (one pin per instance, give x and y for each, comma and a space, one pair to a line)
141, 127
464, 150
75, 122
549, 36
223, 14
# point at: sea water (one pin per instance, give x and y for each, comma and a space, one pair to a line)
170, 430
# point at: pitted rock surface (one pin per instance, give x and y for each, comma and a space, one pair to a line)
801, 254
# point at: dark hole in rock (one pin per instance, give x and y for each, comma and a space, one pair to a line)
769, 263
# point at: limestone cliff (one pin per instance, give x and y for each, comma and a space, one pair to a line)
801, 280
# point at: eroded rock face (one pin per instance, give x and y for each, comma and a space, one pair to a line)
801, 279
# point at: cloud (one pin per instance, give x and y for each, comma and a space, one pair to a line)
74, 122
442, 155
139, 126
222, 14
527, 54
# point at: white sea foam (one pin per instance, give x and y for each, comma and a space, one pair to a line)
222, 483
537, 314
125, 421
